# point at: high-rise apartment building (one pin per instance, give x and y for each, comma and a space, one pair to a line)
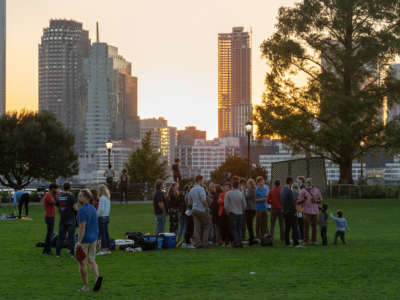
112, 97
189, 135
2, 56
62, 84
234, 82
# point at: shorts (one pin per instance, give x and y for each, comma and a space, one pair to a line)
90, 251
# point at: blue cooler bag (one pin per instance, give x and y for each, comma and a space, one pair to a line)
158, 240
169, 240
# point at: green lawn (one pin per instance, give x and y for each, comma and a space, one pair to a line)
367, 268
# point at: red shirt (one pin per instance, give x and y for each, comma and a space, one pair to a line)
49, 205
221, 204
274, 198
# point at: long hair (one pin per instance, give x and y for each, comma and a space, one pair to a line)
104, 191
171, 190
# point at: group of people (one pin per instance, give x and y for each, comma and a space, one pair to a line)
92, 220
221, 214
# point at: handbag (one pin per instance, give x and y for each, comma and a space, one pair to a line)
79, 253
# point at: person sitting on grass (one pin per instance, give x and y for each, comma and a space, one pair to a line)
341, 226
87, 239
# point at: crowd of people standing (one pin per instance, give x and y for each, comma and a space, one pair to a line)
203, 215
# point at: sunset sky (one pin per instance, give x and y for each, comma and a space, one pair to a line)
172, 45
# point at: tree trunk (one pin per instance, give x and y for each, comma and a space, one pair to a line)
346, 172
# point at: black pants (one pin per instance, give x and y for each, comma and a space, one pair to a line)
124, 193
236, 225
189, 229
23, 201
250, 215
323, 236
225, 228
173, 220
63, 229
300, 223
341, 235
291, 225
50, 230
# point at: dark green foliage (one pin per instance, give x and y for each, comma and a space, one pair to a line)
145, 165
34, 146
341, 49
236, 166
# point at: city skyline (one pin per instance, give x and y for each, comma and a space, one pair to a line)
174, 52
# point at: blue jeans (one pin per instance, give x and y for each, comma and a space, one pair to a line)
160, 226
103, 230
237, 224
182, 225
63, 228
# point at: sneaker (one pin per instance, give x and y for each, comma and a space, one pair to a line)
184, 245
289, 246
58, 256
315, 244
101, 253
299, 246
191, 247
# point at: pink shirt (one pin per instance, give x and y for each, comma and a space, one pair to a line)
310, 207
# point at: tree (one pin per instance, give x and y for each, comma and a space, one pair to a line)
34, 146
145, 165
236, 166
340, 49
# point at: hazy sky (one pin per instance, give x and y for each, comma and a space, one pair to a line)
172, 45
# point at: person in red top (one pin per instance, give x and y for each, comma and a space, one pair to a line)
49, 203
274, 199
224, 225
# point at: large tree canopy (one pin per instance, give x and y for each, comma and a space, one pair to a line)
328, 78
145, 164
34, 146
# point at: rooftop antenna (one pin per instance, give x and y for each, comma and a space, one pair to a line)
97, 32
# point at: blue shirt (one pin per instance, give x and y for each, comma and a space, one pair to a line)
195, 194
88, 214
17, 196
262, 193
104, 207
341, 224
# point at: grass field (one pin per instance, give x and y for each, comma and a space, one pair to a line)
367, 268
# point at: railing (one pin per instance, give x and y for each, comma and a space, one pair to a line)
353, 191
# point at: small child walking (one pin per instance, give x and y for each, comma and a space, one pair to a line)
341, 226
323, 224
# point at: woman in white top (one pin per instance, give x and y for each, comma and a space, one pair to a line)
103, 213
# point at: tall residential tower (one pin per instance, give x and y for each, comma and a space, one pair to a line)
234, 82
2, 56
62, 83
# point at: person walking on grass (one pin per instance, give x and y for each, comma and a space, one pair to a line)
261, 208
250, 209
274, 200
323, 224
341, 226
310, 197
235, 206
160, 207
87, 240
200, 210
67, 206
49, 203
103, 212
289, 213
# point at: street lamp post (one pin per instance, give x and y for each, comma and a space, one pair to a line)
249, 131
109, 145
361, 161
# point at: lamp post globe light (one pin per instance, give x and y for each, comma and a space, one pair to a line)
249, 130
109, 145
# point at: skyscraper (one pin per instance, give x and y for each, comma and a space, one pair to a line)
112, 97
62, 85
2, 56
234, 82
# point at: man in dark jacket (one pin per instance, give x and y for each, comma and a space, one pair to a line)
289, 213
